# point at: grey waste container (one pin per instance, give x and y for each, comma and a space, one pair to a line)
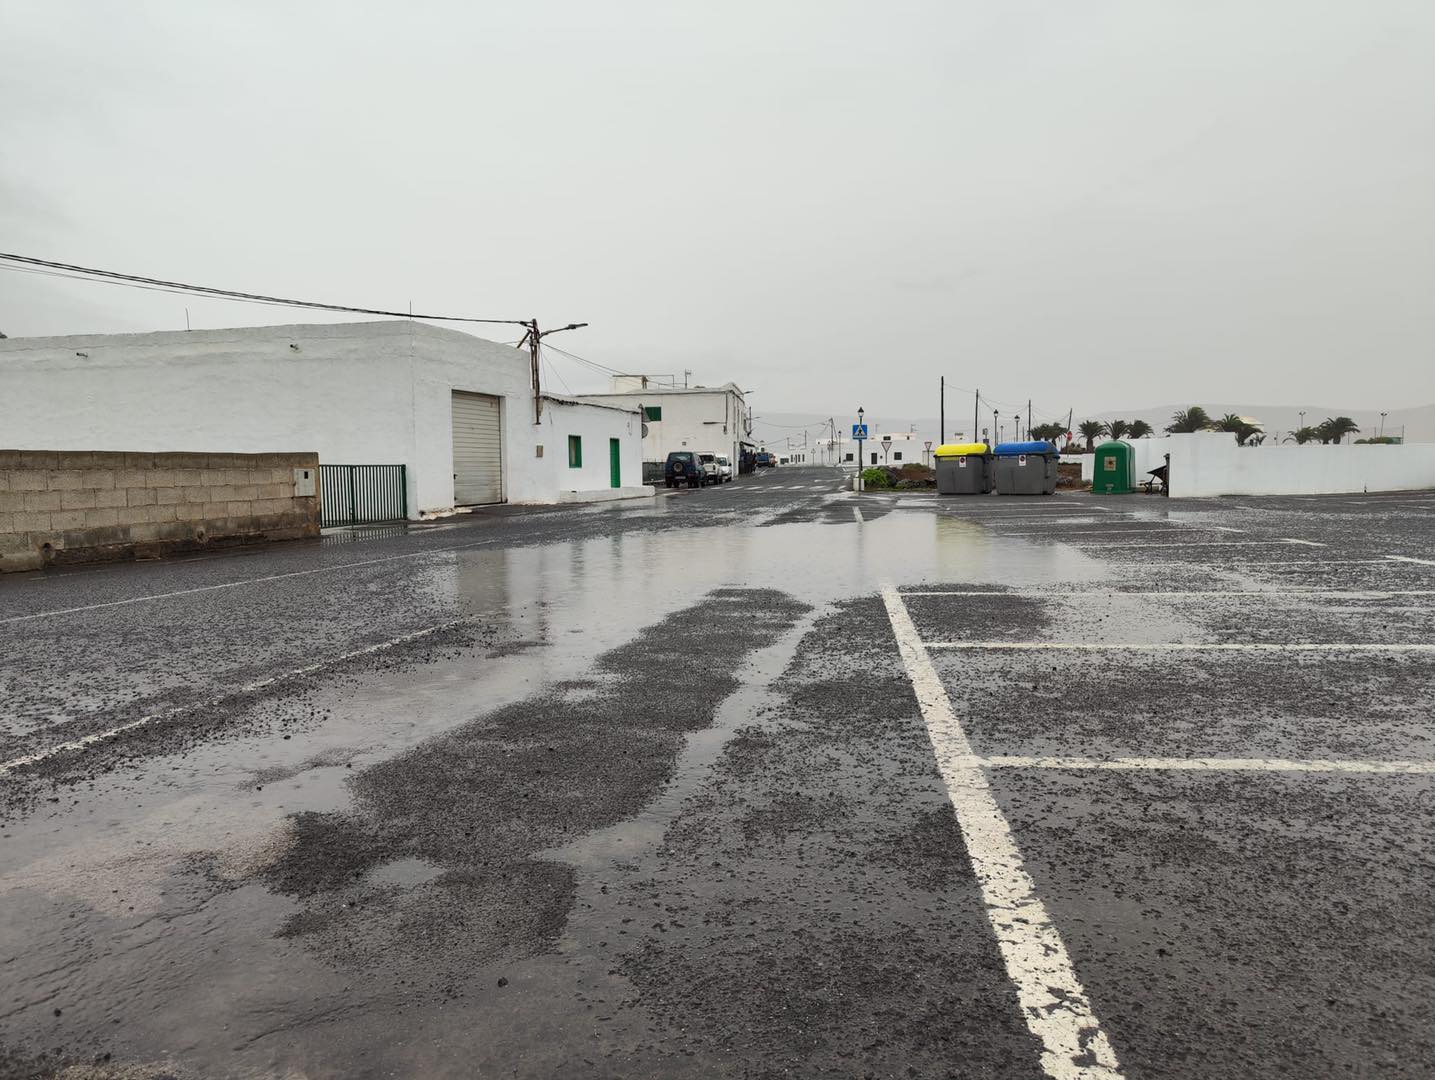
1024, 468
963, 469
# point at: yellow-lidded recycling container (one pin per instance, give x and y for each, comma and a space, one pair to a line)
964, 469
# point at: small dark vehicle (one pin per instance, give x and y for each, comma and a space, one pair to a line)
765, 460
683, 467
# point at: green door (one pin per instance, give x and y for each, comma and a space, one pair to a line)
615, 469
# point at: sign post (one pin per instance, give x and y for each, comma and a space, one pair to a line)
859, 432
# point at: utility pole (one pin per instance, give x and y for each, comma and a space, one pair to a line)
942, 423
1028, 418
533, 337
976, 406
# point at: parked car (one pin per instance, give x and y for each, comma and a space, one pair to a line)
683, 467
765, 460
724, 469
711, 473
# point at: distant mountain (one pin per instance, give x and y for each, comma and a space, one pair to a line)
1418, 423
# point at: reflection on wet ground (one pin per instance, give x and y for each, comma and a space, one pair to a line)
664, 802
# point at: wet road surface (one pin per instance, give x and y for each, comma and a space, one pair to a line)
766, 780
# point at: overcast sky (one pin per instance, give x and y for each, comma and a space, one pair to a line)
1087, 203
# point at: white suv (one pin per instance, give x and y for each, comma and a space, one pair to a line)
712, 473
724, 469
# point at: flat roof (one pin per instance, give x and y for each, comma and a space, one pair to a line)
646, 391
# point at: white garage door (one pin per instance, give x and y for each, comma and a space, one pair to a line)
477, 450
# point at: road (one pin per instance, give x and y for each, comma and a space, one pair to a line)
761, 781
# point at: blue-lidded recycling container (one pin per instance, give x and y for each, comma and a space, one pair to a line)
1024, 468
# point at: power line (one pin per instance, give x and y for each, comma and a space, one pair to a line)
112, 277
591, 363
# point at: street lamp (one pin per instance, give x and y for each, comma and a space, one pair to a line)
1382, 425
533, 338
860, 427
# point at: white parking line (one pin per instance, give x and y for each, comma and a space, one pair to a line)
309, 669
1182, 646
1065, 594
1053, 1001
244, 581
1210, 764
1409, 559
1294, 540
857, 514
1191, 543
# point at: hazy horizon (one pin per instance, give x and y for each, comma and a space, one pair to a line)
824, 202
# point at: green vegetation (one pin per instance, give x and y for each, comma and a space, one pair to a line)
876, 478
1091, 430
1333, 429
1188, 420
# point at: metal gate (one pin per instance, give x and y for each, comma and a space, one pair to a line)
363, 494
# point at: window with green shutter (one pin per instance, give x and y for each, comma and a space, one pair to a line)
575, 451
652, 412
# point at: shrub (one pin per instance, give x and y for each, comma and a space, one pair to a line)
875, 478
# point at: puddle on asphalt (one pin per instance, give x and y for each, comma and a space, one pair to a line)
128, 833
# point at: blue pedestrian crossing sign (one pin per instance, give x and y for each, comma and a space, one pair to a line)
859, 431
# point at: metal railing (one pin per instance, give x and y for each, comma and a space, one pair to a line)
363, 494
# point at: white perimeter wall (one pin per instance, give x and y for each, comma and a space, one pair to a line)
1213, 464
371, 393
1210, 463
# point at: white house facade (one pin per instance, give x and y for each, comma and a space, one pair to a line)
683, 418
456, 410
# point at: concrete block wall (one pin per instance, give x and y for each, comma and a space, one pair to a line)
63, 506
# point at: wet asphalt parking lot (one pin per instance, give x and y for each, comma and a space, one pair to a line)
760, 781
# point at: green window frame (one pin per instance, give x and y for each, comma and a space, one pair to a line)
652, 412
575, 451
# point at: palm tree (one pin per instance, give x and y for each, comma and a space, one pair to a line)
1048, 432
1332, 430
1139, 429
1230, 422
1116, 428
1301, 436
1187, 420
1091, 430
1249, 435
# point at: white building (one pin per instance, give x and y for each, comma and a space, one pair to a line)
894, 448
683, 418
456, 410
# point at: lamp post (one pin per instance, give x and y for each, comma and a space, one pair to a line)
860, 415
1382, 425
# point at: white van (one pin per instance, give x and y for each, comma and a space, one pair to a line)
724, 469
